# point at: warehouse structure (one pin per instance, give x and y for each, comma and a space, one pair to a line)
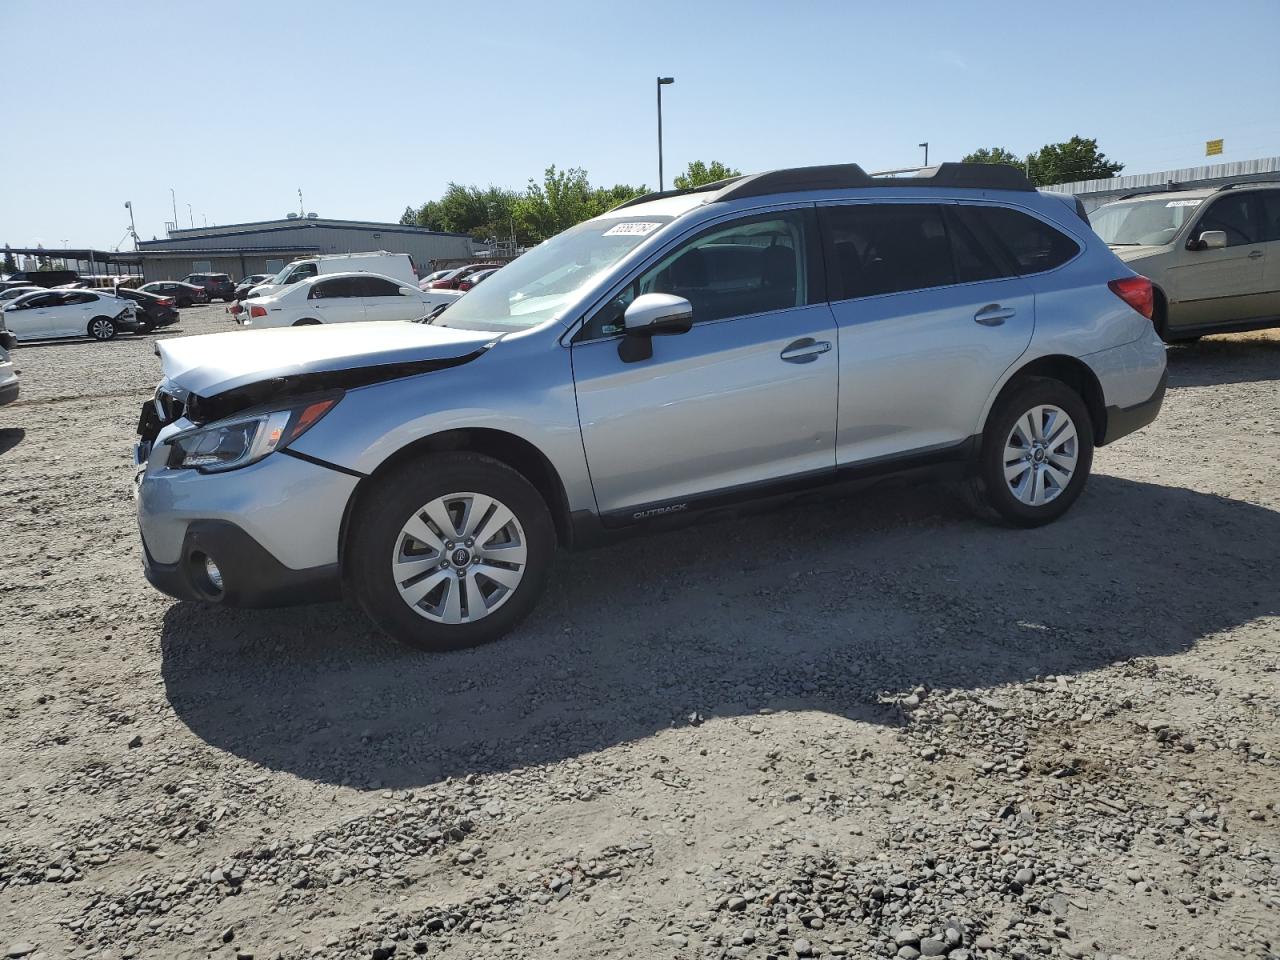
240, 249
1094, 193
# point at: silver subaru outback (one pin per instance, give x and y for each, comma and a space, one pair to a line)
685, 351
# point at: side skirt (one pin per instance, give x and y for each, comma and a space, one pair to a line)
590, 529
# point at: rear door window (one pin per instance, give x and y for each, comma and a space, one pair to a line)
379, 287
879, 248
1269, 211
1032, 245
337, 288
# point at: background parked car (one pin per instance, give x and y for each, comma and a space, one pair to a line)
43, 278
218, 286
343, 298
68, 313
249, 282
398, 266
183, 294
151, 310
466, 283
432, 277
454, 277
12, 293
1213, 255
8, 373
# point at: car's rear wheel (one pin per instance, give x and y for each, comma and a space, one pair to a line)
102, 328
1036, 453
449, 550
184, 302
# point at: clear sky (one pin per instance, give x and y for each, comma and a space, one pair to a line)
369, 106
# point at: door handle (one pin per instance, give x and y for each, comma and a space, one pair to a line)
1255, 254
804, 350
992, 315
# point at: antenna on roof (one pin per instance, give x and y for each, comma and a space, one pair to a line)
302, 211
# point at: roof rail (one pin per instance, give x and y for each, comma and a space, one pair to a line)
1242, 183
663, 194
844, 176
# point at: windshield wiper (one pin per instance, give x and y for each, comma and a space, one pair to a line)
1123, 243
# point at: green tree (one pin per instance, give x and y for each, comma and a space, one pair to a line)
1067, 162
561, 199
993, 155
698, 173
10, 264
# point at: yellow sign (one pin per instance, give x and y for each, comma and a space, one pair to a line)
1212, 148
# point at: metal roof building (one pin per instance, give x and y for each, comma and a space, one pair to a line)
1094, 193
266, 246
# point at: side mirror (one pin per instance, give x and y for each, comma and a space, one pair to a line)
409, 292
657, 314
648, 316
1212, 240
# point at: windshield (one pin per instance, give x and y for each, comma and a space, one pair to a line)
533, 288
1142, 222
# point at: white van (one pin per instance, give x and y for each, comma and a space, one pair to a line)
398, 266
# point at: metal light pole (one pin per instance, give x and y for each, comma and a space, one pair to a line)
926, 151
662, 82
191, 216
132, 229
174, 198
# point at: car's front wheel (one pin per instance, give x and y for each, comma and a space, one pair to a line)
449, 550
102, 328
1036, 452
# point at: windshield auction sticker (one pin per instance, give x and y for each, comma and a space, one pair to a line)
632, 229
1183, 203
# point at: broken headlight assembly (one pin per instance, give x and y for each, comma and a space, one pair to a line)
246, 438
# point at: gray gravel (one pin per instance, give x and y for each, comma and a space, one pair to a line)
866, 728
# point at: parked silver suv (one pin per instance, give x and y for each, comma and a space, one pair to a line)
685, 351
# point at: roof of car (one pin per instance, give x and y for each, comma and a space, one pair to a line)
1198, 193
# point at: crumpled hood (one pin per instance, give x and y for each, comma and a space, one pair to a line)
1137, 253
214, 363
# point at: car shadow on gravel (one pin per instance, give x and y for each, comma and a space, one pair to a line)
833, 609
10, 437
1214, 361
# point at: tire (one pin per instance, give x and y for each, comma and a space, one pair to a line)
101, 328
228, 299
145, 327
1016, 500
306, 322
411, 588
184, 303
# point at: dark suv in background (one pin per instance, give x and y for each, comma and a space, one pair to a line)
216, 285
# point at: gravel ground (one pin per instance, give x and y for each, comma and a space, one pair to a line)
872, 728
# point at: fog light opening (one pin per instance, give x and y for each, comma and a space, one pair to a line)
207, 575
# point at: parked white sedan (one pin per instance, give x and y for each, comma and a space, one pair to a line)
343, 298
68, 313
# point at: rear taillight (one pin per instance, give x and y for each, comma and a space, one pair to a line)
257, 311
1137, 292
167, 302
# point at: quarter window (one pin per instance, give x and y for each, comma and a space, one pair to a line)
1233, 215
1033, 245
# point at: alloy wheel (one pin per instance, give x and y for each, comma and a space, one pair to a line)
459, 558
102, 329
1040, 454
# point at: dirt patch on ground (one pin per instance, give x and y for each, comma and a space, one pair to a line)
874, 727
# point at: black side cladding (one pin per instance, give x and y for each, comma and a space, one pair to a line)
207, 409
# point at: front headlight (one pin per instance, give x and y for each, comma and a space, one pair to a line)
242, 440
